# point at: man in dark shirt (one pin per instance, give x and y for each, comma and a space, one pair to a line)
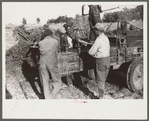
94, 18
65, 40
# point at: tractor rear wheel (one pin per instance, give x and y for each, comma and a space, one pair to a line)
135, 76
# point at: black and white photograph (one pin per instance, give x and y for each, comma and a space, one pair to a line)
78, 55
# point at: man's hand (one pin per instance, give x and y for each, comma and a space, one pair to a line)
84, 42
34, 45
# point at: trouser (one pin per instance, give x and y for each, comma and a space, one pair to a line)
102, 70
46, 71
92, 35
100, 73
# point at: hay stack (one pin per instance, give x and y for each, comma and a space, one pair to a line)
80, 25
28, 33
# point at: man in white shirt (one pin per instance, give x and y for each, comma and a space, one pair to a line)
69, 42
100, 50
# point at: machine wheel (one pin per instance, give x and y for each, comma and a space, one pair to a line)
135, 76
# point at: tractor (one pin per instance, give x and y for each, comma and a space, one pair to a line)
126, 48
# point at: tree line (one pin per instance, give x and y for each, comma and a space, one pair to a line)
127, 14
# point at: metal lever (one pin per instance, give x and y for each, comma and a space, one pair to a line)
110, 9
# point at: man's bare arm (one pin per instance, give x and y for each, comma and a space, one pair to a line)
84, 42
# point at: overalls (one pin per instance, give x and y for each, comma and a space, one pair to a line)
49, 67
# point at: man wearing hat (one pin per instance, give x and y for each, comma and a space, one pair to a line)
100, 50
48, 67
65, 40
41, 34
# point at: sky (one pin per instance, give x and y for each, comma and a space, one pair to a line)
13, 12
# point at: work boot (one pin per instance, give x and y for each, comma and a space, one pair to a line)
55, 89
101, 88
101, 93
69, 80
63, 85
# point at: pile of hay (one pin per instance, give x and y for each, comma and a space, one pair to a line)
14, 76
80, 27
30, 33
81, 24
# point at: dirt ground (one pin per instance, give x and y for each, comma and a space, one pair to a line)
20, 87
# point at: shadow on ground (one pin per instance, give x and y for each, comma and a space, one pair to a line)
32, 76
118, 76
81, 84
8, 95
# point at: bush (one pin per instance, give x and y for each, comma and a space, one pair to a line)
130, 14
60, 19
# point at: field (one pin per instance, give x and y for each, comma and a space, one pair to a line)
18, 86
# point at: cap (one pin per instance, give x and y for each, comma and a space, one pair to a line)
99, 26
66, 26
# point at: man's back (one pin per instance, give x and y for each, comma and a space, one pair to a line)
48, 44
49, 66
48, 48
